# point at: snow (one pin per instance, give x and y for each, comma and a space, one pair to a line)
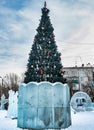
7, 123
80, 121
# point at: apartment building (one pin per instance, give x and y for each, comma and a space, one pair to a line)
79, 76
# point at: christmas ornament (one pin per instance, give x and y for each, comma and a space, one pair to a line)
47, 75
59, 58
41, 72
62, 69
34, 39
48, 53
53, 36
42, 28
43, 38
54, 66
29, 67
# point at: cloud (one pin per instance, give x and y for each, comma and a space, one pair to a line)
73, 27
85, 32
76, 54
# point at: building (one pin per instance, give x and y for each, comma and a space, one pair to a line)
79, 76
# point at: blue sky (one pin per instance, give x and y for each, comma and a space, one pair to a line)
73, 22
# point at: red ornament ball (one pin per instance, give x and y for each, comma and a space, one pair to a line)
41, 72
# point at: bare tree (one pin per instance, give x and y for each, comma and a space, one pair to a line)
13, 81
88, 87
22, 77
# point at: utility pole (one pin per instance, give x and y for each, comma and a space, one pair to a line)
79, 79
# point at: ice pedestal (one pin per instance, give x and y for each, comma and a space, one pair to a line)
44, 106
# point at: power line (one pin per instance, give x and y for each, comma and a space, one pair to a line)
78, 56
77, 43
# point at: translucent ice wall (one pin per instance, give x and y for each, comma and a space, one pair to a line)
44, 106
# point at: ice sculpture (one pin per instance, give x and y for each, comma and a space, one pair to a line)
13, 104
44, 106
80, 101
3, 102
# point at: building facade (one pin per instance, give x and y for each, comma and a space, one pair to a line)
79, 76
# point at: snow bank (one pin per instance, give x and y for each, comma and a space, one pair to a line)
80, 121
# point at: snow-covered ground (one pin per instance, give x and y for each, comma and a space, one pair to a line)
80, 121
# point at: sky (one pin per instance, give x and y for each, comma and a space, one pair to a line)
73, 22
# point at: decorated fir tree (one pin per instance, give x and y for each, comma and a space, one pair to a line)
44, 63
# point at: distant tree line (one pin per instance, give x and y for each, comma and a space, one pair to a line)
10, 82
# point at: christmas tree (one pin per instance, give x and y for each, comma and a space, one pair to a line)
44, 63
